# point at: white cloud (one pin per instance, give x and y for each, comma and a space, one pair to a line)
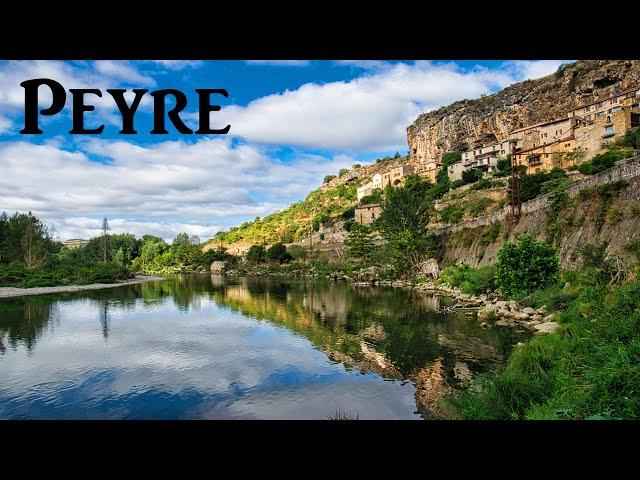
280, 63
123, 71
532, 69
5, 124
178, 64
107, 74
165, 187
369, 113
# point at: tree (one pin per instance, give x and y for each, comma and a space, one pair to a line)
471, 175
343, 171
328, 178
35, 243
526, 266
104, 243
404, 209
278, 253
359, 243
256, 254
297, 252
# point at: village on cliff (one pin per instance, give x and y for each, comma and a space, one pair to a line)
564, 143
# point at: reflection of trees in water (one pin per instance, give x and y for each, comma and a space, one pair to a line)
23, 320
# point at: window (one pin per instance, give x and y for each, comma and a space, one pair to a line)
608, 131
616, 109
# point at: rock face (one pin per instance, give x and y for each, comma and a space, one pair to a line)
218, 267
467, 124
370, 274
429, 269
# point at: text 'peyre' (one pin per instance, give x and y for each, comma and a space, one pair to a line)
127, 111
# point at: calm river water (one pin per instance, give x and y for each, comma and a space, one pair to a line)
200, 346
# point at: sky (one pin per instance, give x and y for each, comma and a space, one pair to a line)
292, 122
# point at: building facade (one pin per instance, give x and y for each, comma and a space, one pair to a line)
609, 127
364, 190
629, 98
547, 156
367, 214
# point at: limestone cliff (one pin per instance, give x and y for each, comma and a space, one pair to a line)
470, 123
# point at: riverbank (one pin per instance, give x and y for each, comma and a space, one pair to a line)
6, 292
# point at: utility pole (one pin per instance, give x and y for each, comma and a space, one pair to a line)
515, 186
105, 239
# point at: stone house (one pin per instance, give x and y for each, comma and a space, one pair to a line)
364, 190
483, 158
547, 156
629, 98
608, 127
455, 171
550, 132
367, 214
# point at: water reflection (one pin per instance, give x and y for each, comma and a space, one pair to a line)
201, 346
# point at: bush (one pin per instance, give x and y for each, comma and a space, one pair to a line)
525, 266
452, 213
473, 281
278, 253
601, 162
328, 178
457, 184
256, 254
472, 175
297, 252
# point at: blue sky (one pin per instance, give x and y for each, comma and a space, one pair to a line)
292, 122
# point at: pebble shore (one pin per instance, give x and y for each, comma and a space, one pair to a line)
19, 292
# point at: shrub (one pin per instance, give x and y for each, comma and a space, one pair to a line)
601, 162
278, 253
471, 175
473, 281
525, 266
452, 213
328, 178
256, 254
297, 252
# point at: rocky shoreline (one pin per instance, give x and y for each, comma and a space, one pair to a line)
6, 292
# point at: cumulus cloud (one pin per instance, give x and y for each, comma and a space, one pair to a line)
165, 187
100, 74
532, 69
123, 71
370, 112
5, 124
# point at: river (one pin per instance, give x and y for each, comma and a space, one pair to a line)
211, 347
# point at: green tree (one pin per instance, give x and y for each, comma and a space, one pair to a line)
256, 254
471, 175
525, 266
328, 178
359, 242
278, 253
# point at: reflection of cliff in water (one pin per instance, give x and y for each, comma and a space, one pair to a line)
389, 331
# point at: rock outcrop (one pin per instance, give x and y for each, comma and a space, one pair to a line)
467, 124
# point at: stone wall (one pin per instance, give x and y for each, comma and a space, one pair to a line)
478, 241
624, 170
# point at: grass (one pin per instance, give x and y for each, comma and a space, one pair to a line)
588, 369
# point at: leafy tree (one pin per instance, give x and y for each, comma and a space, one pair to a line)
359, 243
256, 254
525, 266
328, 178
297, 252
278, 253
471, 175
343, 171
404, 209
451, 158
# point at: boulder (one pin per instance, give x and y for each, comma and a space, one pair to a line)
428, 269
218, 267
369, 275
528, 311
547, 327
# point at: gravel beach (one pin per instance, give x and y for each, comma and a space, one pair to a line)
18, 292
